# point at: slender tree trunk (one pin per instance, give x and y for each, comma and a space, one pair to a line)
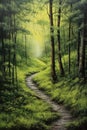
9, 59
78, 47
3, 51
14, 62
69, 48
83, 48
26, 48
16, 79
14, 55
52, 41
58, 38
82, 57
12, 38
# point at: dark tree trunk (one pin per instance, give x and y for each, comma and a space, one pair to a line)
14, 55
3, 51
78, 47
69, 48
16, 79
14, 62
26, 48
10, 39
9, 57
83, 48
58, 38
52, 41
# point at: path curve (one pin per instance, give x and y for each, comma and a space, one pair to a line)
65, 114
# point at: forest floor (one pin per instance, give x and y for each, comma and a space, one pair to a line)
65, 116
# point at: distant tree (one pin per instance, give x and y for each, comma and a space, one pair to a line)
79, 43
10, 18
79, 16
69, 48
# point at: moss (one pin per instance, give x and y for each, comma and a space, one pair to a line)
21, 109
67, 91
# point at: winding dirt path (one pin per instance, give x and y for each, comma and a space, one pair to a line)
65, 114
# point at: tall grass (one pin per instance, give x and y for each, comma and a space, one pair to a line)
68, 91
21, 109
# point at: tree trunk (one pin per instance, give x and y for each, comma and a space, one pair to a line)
9, 59
78, 47
83, 48
14, 55
69, 48
15, 63
3, 51
58, 38
26, 48
52, 41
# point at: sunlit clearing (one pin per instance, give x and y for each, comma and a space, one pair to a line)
37, 49
39, 31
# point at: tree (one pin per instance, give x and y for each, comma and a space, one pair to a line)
52, 40
9, 26
83, 47
59, 40
69, 48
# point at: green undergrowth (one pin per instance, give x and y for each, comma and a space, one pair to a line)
21, 109
33, 65
69, 92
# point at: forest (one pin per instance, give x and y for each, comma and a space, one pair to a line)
43, 64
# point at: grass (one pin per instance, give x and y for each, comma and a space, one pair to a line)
69, 92
20, 108
33, 65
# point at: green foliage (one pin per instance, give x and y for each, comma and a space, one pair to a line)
19, 107
68, 91
35, 65
80, 123
16, 99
